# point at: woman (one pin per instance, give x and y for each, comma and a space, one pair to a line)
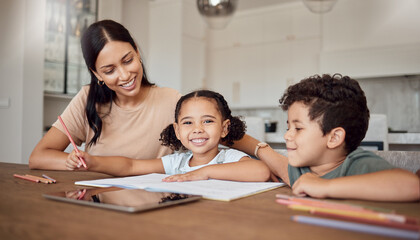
120, 113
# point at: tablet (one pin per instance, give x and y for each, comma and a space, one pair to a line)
126, 200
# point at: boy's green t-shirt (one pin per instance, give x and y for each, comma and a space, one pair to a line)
358, 162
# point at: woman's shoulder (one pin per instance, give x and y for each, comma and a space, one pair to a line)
165, 94
83, 92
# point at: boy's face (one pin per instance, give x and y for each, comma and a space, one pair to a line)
305, 142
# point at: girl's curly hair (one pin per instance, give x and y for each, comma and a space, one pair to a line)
236, 129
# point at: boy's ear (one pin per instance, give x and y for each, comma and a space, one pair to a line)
225, 127
336, 137
176, 129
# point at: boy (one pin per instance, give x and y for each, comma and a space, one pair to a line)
327, 119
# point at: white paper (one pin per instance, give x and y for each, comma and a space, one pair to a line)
210, 189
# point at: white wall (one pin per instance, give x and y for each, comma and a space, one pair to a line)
110, 9
372, 38
165, 42
136, 20
21, 65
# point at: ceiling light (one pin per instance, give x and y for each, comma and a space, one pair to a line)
319, 6
217, 13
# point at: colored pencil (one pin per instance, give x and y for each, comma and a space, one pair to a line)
365, 215
50, 178
71, 140
82, 194
288, 200
357, 227
25, 178
399, 225
43, 180
319, 203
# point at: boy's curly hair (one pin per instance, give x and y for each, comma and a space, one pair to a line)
333, 101
236, 129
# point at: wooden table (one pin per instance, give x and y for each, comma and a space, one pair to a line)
25, 214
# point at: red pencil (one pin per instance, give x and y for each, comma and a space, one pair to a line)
25, 178
71, 140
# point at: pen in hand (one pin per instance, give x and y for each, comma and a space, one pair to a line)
72, 142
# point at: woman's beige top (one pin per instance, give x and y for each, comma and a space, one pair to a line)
130, 133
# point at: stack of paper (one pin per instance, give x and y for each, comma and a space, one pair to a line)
210, 189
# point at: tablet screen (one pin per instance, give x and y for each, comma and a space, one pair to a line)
128, 200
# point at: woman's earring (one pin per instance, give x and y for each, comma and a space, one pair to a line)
101, 83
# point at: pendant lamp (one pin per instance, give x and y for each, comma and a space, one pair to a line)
319, 6
217, 13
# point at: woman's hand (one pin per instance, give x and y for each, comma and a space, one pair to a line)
73, 161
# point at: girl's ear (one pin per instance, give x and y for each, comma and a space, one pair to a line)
336, 137
225, 128
96, 75
176, 129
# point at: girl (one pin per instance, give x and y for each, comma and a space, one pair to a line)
202, 120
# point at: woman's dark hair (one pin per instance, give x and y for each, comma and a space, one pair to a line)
93, 41
236, 129
333, 101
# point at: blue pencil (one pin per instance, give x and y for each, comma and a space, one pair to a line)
357, 227
50, 178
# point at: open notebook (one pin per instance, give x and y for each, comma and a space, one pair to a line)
210, 189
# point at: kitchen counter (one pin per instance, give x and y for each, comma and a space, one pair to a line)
404, 138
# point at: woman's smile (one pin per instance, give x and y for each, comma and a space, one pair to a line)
130, 85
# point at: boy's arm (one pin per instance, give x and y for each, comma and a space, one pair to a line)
246, 170
121, 166
387, 185
274, 160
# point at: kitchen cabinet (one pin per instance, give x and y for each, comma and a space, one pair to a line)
64, 68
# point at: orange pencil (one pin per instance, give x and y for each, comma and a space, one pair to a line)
71, 140
25, 178
366, 215
43, 180
319, 203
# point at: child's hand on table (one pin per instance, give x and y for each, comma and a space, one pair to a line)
189, 176
312, 185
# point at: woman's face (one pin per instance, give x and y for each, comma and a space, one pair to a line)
118, 66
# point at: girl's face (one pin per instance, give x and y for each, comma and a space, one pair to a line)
118, 66
305, 142
200, 126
